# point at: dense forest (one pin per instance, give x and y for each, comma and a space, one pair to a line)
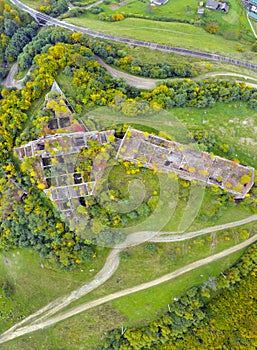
16, 30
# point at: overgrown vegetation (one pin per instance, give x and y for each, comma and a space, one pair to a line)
193, 317
91, 87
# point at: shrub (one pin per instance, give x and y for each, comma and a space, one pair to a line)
117, 17
212, 28
254, 47
6, 288
239, 48
95, 10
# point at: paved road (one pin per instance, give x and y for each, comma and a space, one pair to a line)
86, 306
151, 45
112, 262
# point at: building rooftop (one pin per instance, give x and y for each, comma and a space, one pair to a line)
159, 2
217, 5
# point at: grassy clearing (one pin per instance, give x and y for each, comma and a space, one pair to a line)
208, 215
232, 123
145, 306
85, 331
175, 34
176, 10
35, 4
35, 286
163, 258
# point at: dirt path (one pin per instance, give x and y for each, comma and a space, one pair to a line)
111, 265
169, 237
133, 80
9, 81
147, 83
214, 74
92, 5
86, 306
138, 82
229, 74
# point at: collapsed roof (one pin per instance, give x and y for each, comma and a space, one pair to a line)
169, 156
55, 158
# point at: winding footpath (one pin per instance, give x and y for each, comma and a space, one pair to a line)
169, 237
86, 306
133, 80
42, 319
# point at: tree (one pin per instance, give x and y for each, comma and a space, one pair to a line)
10, 27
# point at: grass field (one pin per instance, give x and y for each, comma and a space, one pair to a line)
86, 330
35, 286
168, 33
235, 20
232, 123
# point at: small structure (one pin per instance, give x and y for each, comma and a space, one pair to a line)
169, 156
200, 10
252, 7
217, 5
158, 2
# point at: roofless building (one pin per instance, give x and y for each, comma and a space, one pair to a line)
169, 156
